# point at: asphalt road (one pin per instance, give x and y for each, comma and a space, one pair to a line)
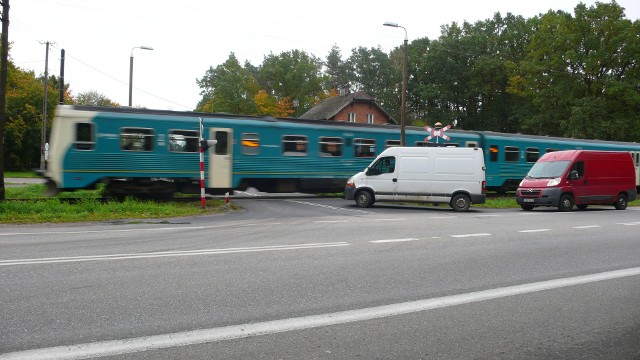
323, 279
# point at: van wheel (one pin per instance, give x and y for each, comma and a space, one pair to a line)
582, 207
566, 203
527, 207
460, 202
364, 199
621, 203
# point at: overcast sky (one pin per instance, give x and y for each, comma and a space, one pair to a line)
189, 36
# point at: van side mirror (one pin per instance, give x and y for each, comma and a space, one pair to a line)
573, 175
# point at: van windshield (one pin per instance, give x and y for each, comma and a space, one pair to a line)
548, 169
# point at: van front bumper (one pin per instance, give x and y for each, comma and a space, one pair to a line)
349, 192
538, 197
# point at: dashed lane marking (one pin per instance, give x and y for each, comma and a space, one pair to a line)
533, 230
470, 235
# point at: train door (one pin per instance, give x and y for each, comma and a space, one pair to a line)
221, 158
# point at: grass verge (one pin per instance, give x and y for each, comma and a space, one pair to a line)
90, 208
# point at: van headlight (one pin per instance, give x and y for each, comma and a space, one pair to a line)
350, 182
554, 182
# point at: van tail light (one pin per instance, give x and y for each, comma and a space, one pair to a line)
484, 187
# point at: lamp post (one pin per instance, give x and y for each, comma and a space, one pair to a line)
131, 69
405, 60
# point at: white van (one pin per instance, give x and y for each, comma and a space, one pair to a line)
424, 174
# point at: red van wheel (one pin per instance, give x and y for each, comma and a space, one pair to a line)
621, 203
566, 203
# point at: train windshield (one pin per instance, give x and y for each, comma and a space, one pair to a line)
548, 169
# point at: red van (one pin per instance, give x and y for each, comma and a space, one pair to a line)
580, 177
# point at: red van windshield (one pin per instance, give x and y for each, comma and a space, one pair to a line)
548, 169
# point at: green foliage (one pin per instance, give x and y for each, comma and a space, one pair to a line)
90, 208
558, 73
23, 127
94, 98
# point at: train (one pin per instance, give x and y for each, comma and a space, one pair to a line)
156, 153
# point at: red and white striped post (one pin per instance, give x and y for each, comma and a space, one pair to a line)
202, 198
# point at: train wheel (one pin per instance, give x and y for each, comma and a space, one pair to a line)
566, 203
621, 203
460, 202
364, 199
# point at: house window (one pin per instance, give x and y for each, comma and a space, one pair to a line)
352, 117
136, 139
294, 145
85, 136
364, 147
183, 141
370, 119
250, 144
330, 146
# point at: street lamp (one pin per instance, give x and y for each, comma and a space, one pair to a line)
405, 61
131, 69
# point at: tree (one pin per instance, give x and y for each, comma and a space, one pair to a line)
24, 119
228, 88
373, 72
336, 70
94, 98
293, 74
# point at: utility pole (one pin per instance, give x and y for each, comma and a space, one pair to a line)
61, 98
4, 43
43, 133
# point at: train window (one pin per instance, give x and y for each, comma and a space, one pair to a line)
250, 144
493, 153
511, 153
184, 141
84, 137
136, 139
364, 147
451, 145
533, 154
550, 150
222, 144
472, 144
391, 143
294, 145
330, 146
421, 144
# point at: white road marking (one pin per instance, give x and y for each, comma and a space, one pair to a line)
167, 254
327, 206
392, 240
329, 221
587, 227
533, 230
111, 230
185, 338
629, 224
470, 235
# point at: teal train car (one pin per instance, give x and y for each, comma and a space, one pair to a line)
155, 153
